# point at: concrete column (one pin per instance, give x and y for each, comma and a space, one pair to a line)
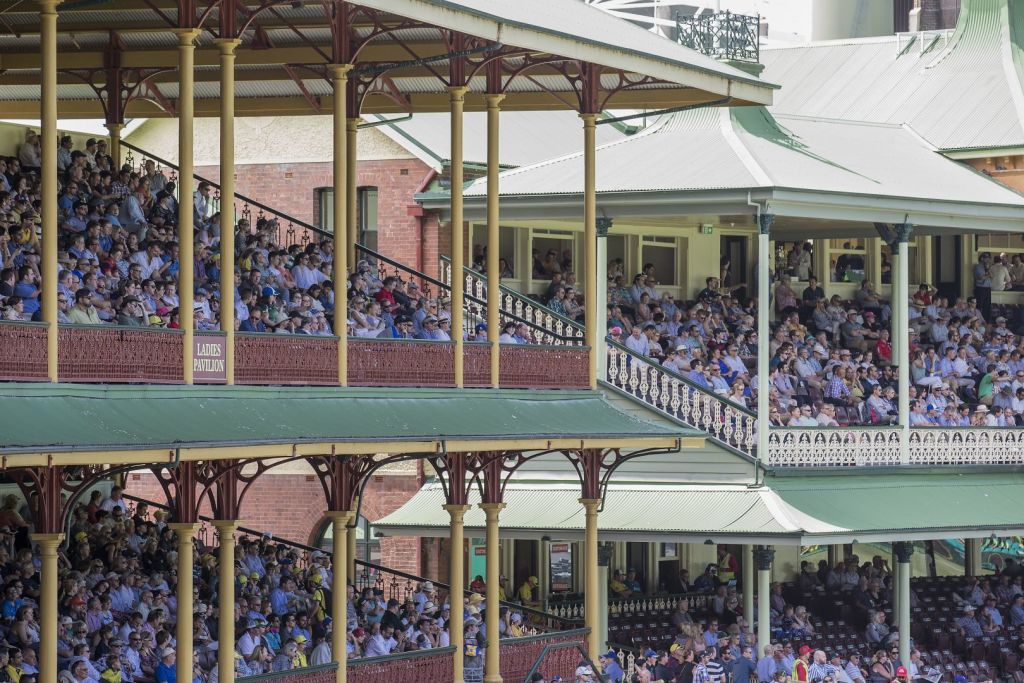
226, 598
493, 237
592, 605
186, 254
903, 551
227, 201
457, 581
763, 331
48, 544
339, 592
748, 583
457, 101
339, 83
183, 635
901, 309
763, 556
590, 264
492, 661
48, 208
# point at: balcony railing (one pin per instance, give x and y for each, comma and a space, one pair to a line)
109, 354
722, 35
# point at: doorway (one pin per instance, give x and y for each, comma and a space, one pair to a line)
946, 258
734, 250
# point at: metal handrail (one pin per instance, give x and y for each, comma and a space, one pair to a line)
115, 326
244, 198
470, 298
675, 375
505, 289
368, 565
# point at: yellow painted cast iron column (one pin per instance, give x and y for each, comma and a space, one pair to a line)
186, 255
115, 145
591, 606
226, 598
48, 209
339, 79
458, 102
227, 201
493, 237
48, 544
339, 593
748, 583
183, 636
492, 661
590, 264
351, 180
351, 539
456, 630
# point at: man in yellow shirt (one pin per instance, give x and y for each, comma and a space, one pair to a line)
525, 593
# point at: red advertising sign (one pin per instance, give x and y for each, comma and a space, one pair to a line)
209, 359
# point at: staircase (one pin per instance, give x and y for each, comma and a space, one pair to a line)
671, 394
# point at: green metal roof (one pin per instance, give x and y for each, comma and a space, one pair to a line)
959, 89
801, 509
65, 418
859, 171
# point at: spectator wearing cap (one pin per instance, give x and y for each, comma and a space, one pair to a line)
801, 665
166, 670
83, 312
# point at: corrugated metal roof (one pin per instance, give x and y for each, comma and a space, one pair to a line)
525, 137
747, 148
649, 510
962, 89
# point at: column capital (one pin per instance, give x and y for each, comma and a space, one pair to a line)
340, 70
114, 126
492, 509
47, 540
343, 516
456, 512
226, 525
604, 226
903, 551
185, 530
589, 119
764, 222
590, 503
494, 100
763, 557
187, 36
227, 45
50, 5
902, 232
457, 93
352, 124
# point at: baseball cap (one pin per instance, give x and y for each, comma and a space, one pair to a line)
166, 652
650, 653
480, 327
804, 649
901, 671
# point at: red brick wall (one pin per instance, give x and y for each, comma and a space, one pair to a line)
270, 506
291, 188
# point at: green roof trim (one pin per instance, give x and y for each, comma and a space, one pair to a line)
67, 417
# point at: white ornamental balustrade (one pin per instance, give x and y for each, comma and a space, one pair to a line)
966, 446
730, 424
834, 447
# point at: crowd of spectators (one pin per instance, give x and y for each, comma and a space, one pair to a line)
831, 360
119, 259
717, 645
118, 603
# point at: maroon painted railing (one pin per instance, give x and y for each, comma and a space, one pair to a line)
111, 354
285, 359
421, 666
23, 356
401, 363
543, 367
325, 673
559, 654
105, 353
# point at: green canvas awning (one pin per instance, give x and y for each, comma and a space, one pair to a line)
39, 420
796, 510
